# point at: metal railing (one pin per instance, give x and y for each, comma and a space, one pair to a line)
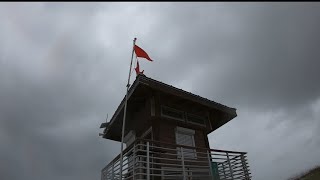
146, 159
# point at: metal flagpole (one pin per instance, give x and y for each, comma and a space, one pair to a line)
125, 110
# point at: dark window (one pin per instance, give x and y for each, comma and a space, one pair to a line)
172, 113
196, 119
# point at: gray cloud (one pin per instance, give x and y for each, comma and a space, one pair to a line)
63, 67
265, 51
49, 115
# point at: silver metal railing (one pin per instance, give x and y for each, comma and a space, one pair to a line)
151, 160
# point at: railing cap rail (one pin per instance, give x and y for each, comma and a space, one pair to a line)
189, 147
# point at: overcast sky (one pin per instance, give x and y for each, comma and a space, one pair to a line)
64, 67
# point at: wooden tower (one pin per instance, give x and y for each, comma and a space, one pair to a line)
166, 136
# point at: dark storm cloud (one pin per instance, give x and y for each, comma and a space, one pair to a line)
63, 67
263, 54
52, 94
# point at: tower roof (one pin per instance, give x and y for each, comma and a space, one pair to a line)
115, 124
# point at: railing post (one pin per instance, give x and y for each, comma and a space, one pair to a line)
104, 174
231, 171
246, 173
182, 162
134, 161
210, 165
112, 171
148, 163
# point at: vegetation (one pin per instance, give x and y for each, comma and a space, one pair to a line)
313, 174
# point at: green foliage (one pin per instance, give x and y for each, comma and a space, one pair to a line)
313, 174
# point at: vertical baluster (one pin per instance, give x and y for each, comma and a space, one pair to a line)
134, 161
112, 175
182, 162
231, 172
103, 174
210, 165
244, 166
148, 163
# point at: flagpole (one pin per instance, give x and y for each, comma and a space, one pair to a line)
125, 110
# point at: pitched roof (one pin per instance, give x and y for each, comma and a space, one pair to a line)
144, 80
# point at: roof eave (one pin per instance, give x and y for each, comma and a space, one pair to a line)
121, 106
223, 121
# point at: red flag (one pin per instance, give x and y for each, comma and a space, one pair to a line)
138, 69
141, 53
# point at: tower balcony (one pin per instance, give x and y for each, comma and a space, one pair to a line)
154, 160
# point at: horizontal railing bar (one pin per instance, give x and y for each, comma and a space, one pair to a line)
168, 159
167, 164
225, 153
195, 161
162, 175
